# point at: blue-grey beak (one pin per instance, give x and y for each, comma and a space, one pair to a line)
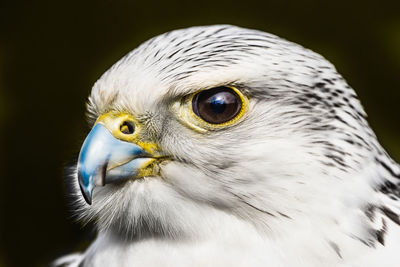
105, 159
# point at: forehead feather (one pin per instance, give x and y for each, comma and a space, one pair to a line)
184, 61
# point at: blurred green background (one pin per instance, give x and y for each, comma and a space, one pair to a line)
51, 53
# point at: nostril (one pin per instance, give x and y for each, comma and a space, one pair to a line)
127, 127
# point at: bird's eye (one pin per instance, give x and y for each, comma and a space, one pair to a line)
211, 109
217, 105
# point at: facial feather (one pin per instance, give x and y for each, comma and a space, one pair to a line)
297, 153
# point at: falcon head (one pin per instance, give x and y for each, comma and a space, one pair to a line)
221, 120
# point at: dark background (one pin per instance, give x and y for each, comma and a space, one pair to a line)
51, 53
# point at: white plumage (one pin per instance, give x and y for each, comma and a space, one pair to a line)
298, 180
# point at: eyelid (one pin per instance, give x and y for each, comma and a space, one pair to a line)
184, 111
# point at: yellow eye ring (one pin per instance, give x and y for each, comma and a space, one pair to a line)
223, 106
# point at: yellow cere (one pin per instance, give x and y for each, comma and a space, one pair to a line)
198, 124
114, 122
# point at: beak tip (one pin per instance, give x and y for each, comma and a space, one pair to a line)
86, 192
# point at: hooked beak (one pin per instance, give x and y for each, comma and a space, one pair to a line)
106, 159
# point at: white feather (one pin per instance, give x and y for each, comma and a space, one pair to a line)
288, 185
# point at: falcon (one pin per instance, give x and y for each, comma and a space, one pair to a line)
225, 146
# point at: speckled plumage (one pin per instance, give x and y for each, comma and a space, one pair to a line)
300, 181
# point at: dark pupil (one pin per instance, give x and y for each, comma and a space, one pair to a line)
217, 105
